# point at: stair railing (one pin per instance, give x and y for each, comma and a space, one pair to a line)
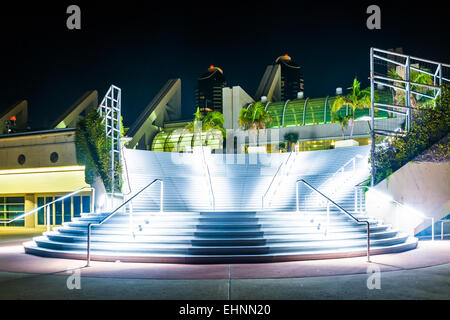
359, 196
282, 165
341, 170
109, 216
411, 210
443, 221
126, 169
47, 205
124, 195
213, 198
109, 195
329, 201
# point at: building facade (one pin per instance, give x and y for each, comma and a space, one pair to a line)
291, 78
308, 118
35, 169
281, 81
15, 118
208, 95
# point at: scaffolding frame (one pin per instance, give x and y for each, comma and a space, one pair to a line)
111, 110
408, 63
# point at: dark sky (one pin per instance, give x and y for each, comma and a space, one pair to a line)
138, 46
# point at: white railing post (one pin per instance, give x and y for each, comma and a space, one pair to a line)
328, 217
91, 224
161, 197
432, 229
131, 220
361, 196
88, 249
93, 201
48, 218
296, 195
343, 211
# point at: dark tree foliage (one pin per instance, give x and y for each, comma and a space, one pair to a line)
291, 138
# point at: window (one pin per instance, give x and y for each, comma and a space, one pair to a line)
11, 207
58, 213
62, 211
76, 206
86, 200
41, 213
48, 200
67, 209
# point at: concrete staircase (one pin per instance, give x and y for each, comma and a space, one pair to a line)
239, 230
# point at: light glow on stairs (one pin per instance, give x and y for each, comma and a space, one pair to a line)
238, 231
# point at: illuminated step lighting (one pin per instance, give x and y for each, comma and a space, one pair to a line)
238, 228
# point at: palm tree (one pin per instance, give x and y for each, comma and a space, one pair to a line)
342, 120
291, 138
210, 122
213, 121
356, 99
192, 125
254, 117
417, 77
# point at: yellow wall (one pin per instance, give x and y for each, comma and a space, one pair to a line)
42, 180
30, 221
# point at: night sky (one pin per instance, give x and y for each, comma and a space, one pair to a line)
139, 46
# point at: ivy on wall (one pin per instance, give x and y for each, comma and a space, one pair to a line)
93, 151
429, 125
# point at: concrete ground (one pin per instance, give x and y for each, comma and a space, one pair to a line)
13, 234
422, 283
423, 273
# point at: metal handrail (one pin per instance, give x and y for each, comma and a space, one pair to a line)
274, 176
443, 221
341, 170
126, 170
412, 57
130, 207
111, 195
404, 206
109, 216
337, 206
50, 203
209, 177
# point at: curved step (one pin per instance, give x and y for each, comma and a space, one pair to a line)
176, 248
409, 244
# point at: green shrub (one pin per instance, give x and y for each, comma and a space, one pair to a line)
93, 151
429, 125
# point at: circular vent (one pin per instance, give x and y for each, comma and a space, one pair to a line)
21, 159
54, 157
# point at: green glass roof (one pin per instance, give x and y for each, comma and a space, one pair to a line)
180, 140
316, 111
285, 114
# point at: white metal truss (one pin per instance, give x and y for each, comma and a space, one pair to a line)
406, 63
110, 110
